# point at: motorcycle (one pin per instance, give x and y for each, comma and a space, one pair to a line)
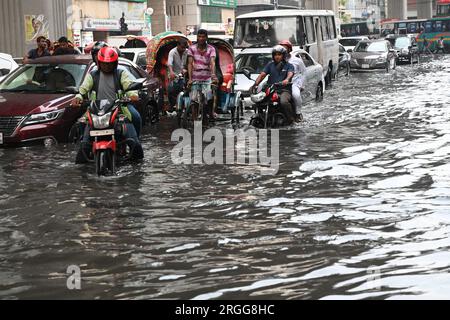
107, 125
268, 112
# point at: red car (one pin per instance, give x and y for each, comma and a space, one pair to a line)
35, 99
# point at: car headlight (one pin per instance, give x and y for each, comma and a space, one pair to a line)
44, 117
101, 122
381, 59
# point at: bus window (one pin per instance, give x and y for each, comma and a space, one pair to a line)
323, 25
301, 34
428, 27
332, 27
438, 26
412, 27
310, 32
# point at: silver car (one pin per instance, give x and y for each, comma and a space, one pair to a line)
374, 54
255, 59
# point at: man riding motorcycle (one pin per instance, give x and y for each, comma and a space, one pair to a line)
136, 116
107, 82
279, 70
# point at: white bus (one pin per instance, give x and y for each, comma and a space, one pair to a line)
312, 30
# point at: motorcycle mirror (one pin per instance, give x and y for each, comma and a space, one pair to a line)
73, 90
247, 73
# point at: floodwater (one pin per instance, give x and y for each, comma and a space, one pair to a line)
359, 209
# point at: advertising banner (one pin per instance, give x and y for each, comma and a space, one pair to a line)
35, 26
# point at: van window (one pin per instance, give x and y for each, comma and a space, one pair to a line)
331, 27
310, 32
324, 28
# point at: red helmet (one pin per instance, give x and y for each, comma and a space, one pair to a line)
107, 55
286, 43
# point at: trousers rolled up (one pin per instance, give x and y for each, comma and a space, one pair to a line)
136, 119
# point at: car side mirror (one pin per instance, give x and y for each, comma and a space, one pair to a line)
247, 73
350, 50
4, 72
73, 90
136, 85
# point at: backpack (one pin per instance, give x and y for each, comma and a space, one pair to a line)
117, 83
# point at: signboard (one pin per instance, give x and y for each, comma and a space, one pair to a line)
111, 25
219, 3
35, 26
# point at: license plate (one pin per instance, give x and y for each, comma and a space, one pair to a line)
365, 66
1, 138
100, 133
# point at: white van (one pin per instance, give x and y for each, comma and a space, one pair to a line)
312, 30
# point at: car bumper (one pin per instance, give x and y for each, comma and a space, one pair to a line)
367, 65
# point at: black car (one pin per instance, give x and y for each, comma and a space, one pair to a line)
407, 49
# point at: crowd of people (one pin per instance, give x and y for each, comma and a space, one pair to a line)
45, 47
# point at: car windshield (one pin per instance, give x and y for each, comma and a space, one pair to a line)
371, 47
44, 78
255, 62
266, 31
402, 42
349, 42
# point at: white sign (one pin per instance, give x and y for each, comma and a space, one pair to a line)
87, 37
101, 24
112, 25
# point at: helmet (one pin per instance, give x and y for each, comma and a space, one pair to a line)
96, 48
279, 49
108, 55
286, 43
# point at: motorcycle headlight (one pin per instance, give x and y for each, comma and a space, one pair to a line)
258, 97
101, 122
44, 117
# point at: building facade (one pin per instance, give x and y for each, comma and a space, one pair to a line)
22, 21
187, 16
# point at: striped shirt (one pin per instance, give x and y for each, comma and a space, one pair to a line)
201, 70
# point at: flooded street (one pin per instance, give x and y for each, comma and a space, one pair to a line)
360, 208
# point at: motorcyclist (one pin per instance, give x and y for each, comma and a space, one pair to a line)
107, 82
298, 81
136, 116
279, 70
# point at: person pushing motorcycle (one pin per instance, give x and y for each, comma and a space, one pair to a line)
279, 71
107, 83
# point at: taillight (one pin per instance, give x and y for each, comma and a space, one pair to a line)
275, 97
267, 91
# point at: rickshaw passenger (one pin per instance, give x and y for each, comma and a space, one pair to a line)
201, 69
177, 65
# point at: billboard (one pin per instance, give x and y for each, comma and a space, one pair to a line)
35, 26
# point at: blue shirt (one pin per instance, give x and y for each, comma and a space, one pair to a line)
276, 75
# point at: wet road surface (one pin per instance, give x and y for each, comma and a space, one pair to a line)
360, 208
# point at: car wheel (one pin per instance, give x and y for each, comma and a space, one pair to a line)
319, 93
